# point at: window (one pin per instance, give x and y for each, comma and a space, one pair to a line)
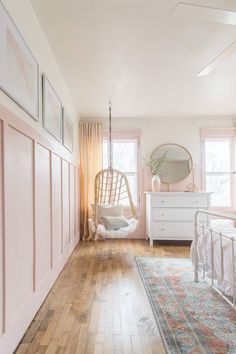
125, 159
218, 168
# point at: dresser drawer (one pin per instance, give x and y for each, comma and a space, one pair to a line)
176, 214
172, 230
178, 202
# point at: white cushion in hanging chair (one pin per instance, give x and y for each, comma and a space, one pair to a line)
120, 233
114, 222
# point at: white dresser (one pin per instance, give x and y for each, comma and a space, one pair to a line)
170, 215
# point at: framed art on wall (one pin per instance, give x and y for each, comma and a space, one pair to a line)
52, 110
68, 131
19, 72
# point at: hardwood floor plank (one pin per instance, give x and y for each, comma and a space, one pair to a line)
82, 339
23, 348
52, 347
98, 303
31, 332
50, 331
90, 343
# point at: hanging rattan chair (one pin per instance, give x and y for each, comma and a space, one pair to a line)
112, 189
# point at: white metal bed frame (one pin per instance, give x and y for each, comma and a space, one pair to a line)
201, 272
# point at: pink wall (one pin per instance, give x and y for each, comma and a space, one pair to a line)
144, 182
39, 224
2, 261
145, 185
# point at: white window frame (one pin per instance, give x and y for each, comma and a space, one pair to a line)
231, 173
128, 136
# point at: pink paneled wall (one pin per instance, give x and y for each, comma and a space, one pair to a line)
19, 220
194, 177
56, 208
145, 179
72, 200
65, 205
146, 185
42, 213
1, 235
39, 224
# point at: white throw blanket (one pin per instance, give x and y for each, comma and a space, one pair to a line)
225, 280
101, 232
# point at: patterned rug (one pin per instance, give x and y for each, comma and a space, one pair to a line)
191, 317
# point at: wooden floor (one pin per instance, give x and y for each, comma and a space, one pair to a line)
98, 303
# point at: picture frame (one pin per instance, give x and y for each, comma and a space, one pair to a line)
68, 131
52, 110
19, 70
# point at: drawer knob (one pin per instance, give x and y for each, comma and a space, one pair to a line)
162, 201
163, 229
162, 214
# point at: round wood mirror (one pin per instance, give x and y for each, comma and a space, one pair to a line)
178, 162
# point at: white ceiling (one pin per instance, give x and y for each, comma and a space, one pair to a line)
142, 56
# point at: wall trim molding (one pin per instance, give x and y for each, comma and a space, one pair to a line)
22, 146
10, 339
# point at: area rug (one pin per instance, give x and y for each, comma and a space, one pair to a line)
192, 318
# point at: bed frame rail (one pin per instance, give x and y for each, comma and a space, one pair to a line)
197, 271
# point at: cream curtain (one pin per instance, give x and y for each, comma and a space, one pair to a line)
90, 143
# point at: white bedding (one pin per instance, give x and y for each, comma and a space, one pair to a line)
204, 258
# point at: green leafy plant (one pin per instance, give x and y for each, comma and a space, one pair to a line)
155, 165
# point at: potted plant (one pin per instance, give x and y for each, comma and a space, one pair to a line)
155, 166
